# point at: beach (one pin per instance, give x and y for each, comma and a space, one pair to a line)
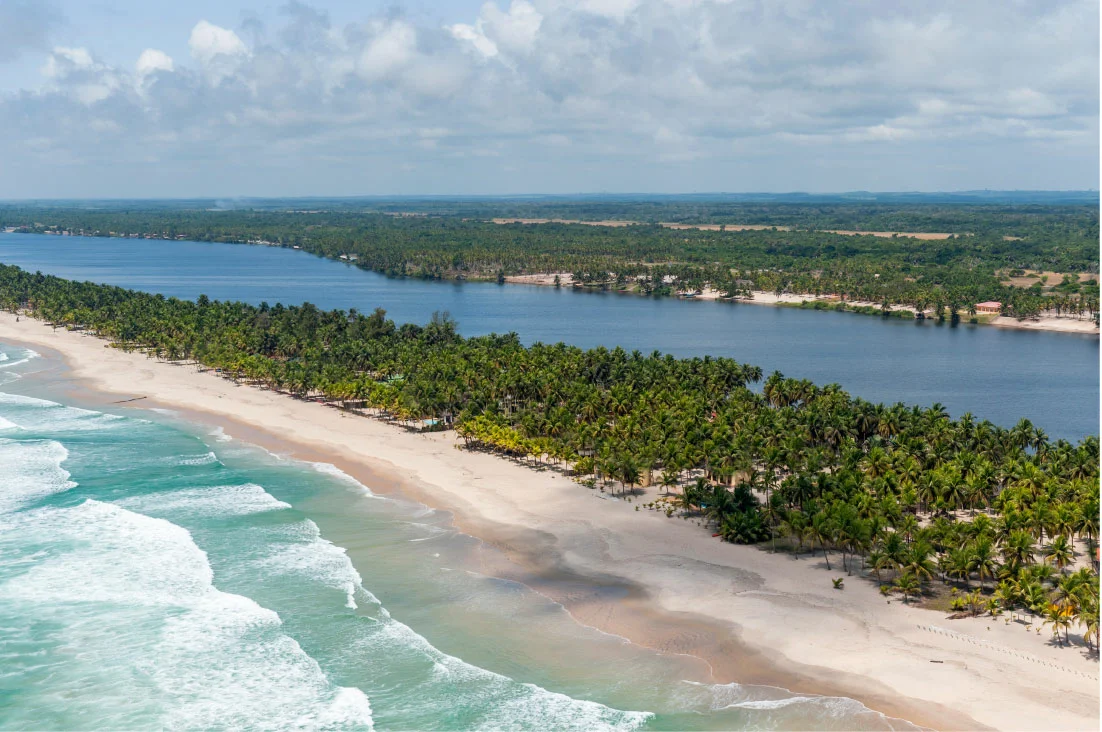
1045, 322
750, 615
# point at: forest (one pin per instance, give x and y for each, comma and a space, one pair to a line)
458, 240
998, 520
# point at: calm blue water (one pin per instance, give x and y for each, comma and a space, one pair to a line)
158, 575
999, 375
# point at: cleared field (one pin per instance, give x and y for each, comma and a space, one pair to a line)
1032, 277
728, 227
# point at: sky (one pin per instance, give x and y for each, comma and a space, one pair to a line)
220, 98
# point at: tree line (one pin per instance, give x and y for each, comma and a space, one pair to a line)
905, 491
949, 275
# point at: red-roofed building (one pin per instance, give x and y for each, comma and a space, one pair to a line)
989, 307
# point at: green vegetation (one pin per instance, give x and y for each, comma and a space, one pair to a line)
439, 240
905, 492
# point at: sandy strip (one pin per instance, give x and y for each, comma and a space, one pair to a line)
753, 616
1047, 322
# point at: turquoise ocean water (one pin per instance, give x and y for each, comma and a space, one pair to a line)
158, 574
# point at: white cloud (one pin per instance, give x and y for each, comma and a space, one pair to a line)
64, 61
513, 31
75, 72
219, 51
208, 41
595, 94
151, 61
618, 9
475, 37
392, 48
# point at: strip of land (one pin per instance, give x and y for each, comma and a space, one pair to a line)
752, 616
1046, 321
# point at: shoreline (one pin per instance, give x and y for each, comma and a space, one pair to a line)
1046, 323
753, 617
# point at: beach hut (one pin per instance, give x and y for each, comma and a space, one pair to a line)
989, 308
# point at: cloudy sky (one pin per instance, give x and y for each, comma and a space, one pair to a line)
124, 98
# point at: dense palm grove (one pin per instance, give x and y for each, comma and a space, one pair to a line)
906, 493
948, 276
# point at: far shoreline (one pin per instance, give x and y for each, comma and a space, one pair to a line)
725, 604
1048, 324
804, 301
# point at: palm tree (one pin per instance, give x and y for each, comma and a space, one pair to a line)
1034, 598
773, 513
689, 495
956, 564
878, 561
1060, 552
917, 562
1088, 616
895, 550
821, 530
907, 585
628, 473
795, 525
1060, 618
670, 478
1017, 550
982, 560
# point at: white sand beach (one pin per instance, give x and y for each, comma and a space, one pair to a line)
753, 616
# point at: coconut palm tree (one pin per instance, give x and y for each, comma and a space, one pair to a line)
918, 563
795, 525
907, 585
1017, 550
1034, 598
1060, 552
1060, 617
982, 560
821, 530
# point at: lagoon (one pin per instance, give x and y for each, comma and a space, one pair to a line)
996, 374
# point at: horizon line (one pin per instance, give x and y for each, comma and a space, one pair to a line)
577, 194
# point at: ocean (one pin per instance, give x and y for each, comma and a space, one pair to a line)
156, 573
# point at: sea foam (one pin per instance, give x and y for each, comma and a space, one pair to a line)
134, 596
42, 415
316, 559
447, 686
23, 357
32, 470
769, 707
334, 472
207, 502
456, 693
